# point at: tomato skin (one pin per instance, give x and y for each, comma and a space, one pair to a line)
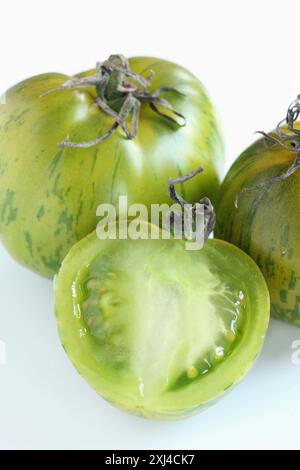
266, 222
160, 325
49, 195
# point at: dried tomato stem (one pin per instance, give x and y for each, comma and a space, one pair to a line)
209, 213
281, 138
121, 99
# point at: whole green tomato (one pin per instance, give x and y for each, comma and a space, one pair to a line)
259, 211
66, 146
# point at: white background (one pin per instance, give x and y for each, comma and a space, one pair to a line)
247, 55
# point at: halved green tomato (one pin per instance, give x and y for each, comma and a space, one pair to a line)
157, 330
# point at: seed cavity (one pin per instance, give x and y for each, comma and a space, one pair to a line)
82, 332
219, 352
242, 298
192, 372
230, 336
103, 290
116, 302
93, 284
87, 304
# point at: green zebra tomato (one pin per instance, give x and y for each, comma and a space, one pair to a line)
264, 220
155, 329
49, 195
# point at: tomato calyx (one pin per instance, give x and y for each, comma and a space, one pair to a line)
204, 204
120, 94
289, 141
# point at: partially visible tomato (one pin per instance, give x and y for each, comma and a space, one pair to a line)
49, 195
259, 211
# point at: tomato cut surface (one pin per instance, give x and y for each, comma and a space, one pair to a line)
157, 330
